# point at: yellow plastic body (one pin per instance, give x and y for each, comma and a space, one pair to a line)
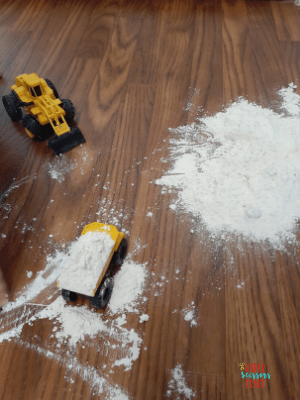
116, 237
31, 135
43, 104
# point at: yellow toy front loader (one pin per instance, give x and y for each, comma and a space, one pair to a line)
45, 112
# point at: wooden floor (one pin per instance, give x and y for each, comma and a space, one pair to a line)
130, 67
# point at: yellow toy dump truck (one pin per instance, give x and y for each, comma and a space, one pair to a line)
93, 282
45, 112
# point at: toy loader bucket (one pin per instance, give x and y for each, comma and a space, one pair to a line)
67, 141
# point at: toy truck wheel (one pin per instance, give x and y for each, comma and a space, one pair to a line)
120, 254
103, 294
69, 108
68, 295
34, 129
12, 107
51, 86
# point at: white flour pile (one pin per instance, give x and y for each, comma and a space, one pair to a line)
177, 386
239, 170
85, 261
129, 285
76, 323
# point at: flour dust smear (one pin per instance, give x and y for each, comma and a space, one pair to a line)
75, 327
177, 388
239, 170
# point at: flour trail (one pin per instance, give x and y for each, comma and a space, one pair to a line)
79, 325
98, 384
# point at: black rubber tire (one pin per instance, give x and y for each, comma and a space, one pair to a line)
68, 295
51, 86
69, 108
103, 294
120, 254
40, 132
12, 107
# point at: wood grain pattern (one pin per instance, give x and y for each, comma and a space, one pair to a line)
133, 70
287, 21
289, 303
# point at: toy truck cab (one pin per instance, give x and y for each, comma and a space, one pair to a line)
39, 100
96, 286
28, 87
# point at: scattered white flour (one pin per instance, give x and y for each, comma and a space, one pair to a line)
60, 167
239, 170
15, 185
121, 320
177, 386
73, 324
144, 318
159, 285
85, 262
78, 323
112, 214
42, 281
86, 372
128, 287
133, 343
189, 314
29, 274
